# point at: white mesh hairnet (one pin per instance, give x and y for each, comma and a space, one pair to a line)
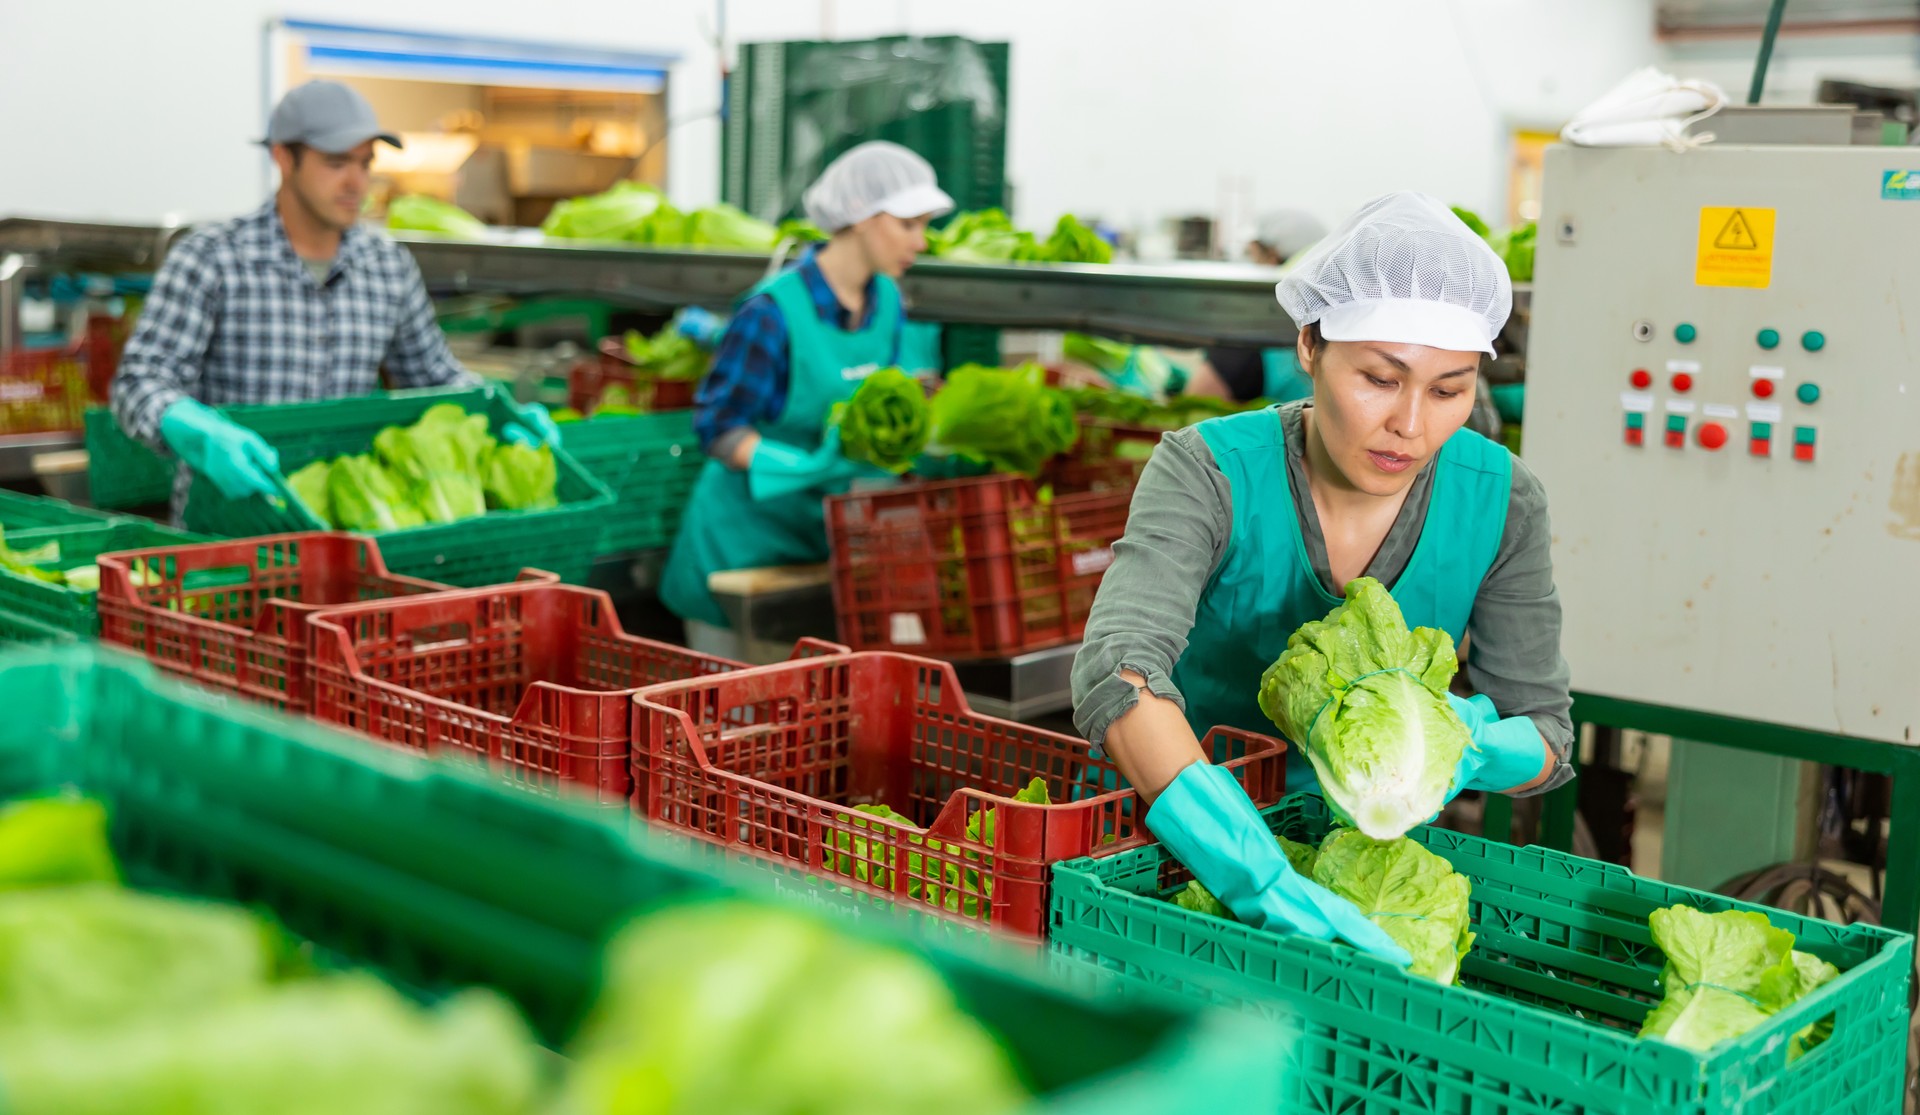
1402, 269
1288, 232
877, 177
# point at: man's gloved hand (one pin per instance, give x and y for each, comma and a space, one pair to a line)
1505, 754
779, 469
534, 426
1207, 821
238, 461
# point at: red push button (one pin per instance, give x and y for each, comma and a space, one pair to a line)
1641, 378
1762, 388
1636, 436
1676, 439
1682, 382
1713, 435
1760, 447
1803, 452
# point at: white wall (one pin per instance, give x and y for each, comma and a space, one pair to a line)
1136, 110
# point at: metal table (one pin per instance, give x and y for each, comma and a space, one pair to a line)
1038, 683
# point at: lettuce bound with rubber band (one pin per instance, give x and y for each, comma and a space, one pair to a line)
1366, 699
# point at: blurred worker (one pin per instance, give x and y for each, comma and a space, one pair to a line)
1246, 374
1245, 527
292, 302
801, 342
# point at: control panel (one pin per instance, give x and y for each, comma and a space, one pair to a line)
1721, 403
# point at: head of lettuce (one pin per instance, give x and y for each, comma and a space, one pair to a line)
1366, 699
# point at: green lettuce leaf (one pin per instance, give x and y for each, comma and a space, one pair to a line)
982, 236
53, 841
93, 956
723, 226
344, 1043
521, 478
728, 1006
439, 460
1726, 973
365, 496
309, 485
1007, 418
1366, 699
612, 215
1411, 893
1073, 242
885, 422
421, 213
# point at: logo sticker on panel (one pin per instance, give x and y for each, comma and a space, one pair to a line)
1900, 185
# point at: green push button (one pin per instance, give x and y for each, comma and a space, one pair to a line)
1803, 435
1769, 338
1685, 333
1677, 423
1813, 340
1808, 393
1635, 420
1762, 431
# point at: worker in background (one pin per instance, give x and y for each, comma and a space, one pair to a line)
292, 302
1245, 527
801, 342
1273, 374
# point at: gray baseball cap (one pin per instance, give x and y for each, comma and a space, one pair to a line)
326, 116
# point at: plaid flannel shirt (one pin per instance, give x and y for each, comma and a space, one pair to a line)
235, 318
747, 386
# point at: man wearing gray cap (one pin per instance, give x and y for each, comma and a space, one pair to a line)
292, 302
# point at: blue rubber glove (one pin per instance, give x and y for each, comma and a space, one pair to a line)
238, 461
535, 426
779, 469
702, 327
1504, 754
1207, 821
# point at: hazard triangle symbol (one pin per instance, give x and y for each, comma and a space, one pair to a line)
1735, 235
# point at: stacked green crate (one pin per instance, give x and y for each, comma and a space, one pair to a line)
438, 877
794, 107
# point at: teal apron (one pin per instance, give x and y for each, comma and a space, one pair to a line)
1265, 586
724, 527
1282, 381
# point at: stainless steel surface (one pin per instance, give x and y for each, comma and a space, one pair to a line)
1801, 125
1035, 684
13, 272
88, 245
1185, 304
18, 450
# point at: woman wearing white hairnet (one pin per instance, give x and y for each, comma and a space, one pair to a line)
799, 343
1245, 527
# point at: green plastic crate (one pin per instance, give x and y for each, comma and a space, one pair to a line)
650, 463
121, 472
23, 512
439, 877
1562, 972
487, 550
31, 609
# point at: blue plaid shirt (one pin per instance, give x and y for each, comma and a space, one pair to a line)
236, 318
748, 383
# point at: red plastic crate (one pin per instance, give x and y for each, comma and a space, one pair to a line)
773, 759
536, 679
48, 390
988, 567
234, 614
588, 380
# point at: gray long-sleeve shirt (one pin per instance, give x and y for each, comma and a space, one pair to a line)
1177, 532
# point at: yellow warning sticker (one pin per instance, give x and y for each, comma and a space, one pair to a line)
1735, 248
